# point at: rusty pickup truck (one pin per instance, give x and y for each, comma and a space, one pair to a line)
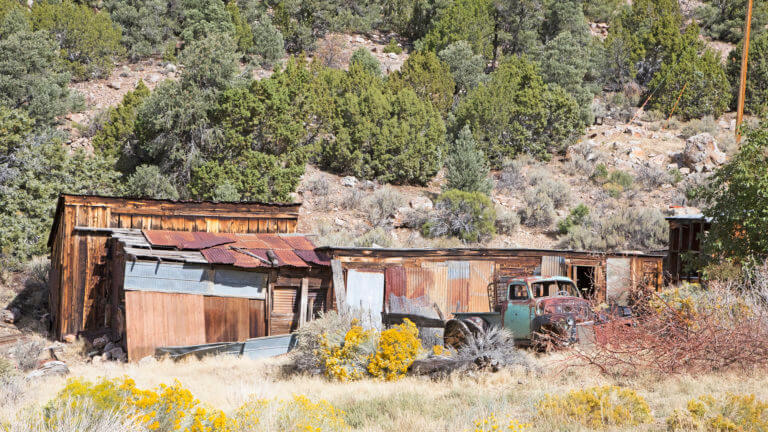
540, 311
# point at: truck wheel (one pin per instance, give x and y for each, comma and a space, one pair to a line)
456, 334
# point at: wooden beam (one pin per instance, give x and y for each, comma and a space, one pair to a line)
303, 294
743, 82
339, 290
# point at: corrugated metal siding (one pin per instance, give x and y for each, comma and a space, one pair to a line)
458, 287
193, 279
161, 319
437, 290
394, 282
553, 266
481, 276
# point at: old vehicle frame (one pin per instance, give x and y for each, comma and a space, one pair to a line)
540, 311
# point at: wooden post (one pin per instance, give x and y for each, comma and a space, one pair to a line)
743, 83
339, 290
269, 300
303, 294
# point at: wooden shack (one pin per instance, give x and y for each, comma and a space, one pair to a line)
460, 280
179, 288
685, 235
79, 257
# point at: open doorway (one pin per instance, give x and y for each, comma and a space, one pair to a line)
585, 280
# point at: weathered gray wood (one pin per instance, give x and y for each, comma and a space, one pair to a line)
339, 289
389, 319
303, 294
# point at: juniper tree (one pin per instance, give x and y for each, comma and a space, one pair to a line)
466, 167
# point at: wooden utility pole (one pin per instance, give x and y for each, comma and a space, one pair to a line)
743, 83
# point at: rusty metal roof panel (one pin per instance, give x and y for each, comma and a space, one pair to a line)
219, 256
314, 257
187, 240
298, 242
289, 258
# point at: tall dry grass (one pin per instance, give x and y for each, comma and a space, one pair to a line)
413, 403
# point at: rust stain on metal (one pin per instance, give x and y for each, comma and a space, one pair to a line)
187, 240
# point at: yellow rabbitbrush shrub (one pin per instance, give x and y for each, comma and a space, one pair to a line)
739, 413
167, 408
347, 361
491, 424
396, 351
597, 407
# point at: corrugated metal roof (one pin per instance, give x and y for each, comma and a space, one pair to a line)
187, 240
244, 250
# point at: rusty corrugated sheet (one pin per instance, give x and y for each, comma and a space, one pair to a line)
394, 282
297, 242
416, 282
480, 278
218, 256
187, 240
289, 258
458, 287
314, 257
437, 291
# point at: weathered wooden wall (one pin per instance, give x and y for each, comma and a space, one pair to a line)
78, 264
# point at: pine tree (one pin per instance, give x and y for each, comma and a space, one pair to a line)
466, 167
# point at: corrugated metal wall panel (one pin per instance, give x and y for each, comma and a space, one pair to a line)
160, 319
417, 281
394, 282
437, 291
553, 266
458, 287
194, 279
481, 276
618, 278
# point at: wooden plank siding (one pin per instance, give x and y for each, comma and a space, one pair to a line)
162, 319
77, 279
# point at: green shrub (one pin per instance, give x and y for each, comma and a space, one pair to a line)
148, 182
466, 167
205, 18
31, 178
516, 113
468, 20
601, 172
603, 10
707, 91
621, 178
543, 183
381, 205
30, 77
393, 47
210, 62
511, 178
243, 33
578, 216
507, 222
756, 101
390, 136
14, 127
146, 25
467, 68
724, 19
697, 126
365, 60
628, 228
268, 43
89, 41
115, 134
538, 209
469, 216
254, 175
428, 77
376, 237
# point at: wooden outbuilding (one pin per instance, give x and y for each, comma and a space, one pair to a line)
685, 235
79, 257
461, 280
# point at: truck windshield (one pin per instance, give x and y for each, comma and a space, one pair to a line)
551, 288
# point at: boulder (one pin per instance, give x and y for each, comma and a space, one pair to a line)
117, 354
10, 315
115, 85
349, 181
125, 72
109, 346
421, 203
169, 68
701, 153
100, 342
153, 78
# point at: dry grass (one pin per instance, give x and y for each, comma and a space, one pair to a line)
412, 403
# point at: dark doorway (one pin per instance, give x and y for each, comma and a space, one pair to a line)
585, 280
